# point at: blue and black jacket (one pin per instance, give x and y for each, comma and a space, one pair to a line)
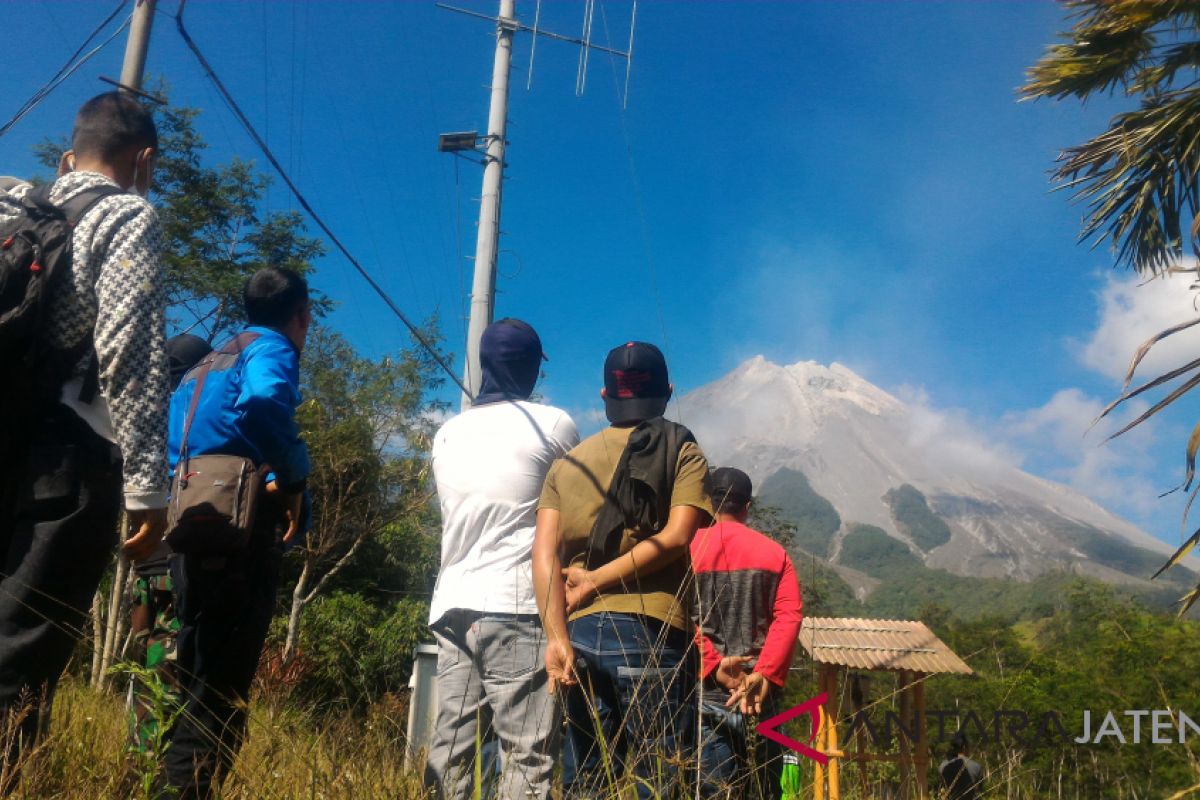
247, 406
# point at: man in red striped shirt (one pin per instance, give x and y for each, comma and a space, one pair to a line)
748, 623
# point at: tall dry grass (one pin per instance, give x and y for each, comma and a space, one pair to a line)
287, 754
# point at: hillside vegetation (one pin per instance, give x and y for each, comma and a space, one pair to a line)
905, 584
815, 518
915, 519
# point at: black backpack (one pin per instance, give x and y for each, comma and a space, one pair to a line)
35, 257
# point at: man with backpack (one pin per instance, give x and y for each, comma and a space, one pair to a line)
237, 406
619, 512
83, 412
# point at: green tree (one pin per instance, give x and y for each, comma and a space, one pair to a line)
368, 425
215, 232
1140, 178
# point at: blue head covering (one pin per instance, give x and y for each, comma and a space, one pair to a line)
510, 356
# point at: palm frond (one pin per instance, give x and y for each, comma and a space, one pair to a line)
1145, 346
1145, 387
1188, 599
1190, 457
1191, 383
1111, 44
1139, 178
1183, 550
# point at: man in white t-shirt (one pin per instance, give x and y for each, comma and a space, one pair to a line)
489, 463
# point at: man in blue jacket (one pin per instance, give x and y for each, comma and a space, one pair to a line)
246, 408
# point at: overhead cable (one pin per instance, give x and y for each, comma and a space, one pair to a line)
266, 151
69, 68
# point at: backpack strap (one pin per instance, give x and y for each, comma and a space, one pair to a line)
221, 359
75, 208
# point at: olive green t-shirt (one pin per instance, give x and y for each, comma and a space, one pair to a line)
576, 487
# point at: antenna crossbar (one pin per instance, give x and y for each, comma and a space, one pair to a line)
517, 26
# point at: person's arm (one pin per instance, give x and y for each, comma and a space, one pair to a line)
771, 667
130, 340
645, 558
267, 402
551, 601
779, 646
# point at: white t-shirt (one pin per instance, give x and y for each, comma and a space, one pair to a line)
489, 463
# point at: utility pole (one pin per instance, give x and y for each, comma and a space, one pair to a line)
131, 78
137, 45
483, 287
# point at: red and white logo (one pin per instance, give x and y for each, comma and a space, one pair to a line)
811, 707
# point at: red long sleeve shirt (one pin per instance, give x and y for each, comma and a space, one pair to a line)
749, 599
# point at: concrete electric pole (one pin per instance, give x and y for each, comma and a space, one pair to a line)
138, 44
483, 287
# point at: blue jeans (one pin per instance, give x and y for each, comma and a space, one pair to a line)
633, 709
735, 761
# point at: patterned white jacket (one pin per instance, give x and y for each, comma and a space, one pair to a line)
117, 297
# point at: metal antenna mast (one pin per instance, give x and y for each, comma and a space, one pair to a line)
491, 147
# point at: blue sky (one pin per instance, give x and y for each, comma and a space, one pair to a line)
828, 181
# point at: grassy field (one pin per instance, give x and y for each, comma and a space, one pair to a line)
287, 755
292, 754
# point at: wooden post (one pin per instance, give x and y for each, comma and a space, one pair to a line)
857, 697
832, 746
905, 700
922, 759
818, 770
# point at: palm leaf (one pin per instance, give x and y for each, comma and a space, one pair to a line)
1161, 379
1188, 599
1192, 382
1183, 550
1187, 509
1192, 446
1145, 346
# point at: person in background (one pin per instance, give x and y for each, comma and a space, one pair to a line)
247, 408
620, 511
489, 463
153, 623
962, 775
101, 430
748, 622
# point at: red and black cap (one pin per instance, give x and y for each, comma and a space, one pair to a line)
636, 386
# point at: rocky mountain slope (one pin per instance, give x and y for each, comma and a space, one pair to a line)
848, 461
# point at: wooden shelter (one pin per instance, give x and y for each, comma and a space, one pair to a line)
907, 649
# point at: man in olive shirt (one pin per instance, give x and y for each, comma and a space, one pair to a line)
620, 510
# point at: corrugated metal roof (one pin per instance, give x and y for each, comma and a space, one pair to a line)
878, 644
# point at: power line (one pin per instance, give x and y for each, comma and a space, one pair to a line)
68, 69
266, 151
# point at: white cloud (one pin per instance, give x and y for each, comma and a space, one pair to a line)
1061, 444
1055, 440
1130, 314
954, 440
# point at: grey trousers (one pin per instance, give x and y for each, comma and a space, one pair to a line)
491, 675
